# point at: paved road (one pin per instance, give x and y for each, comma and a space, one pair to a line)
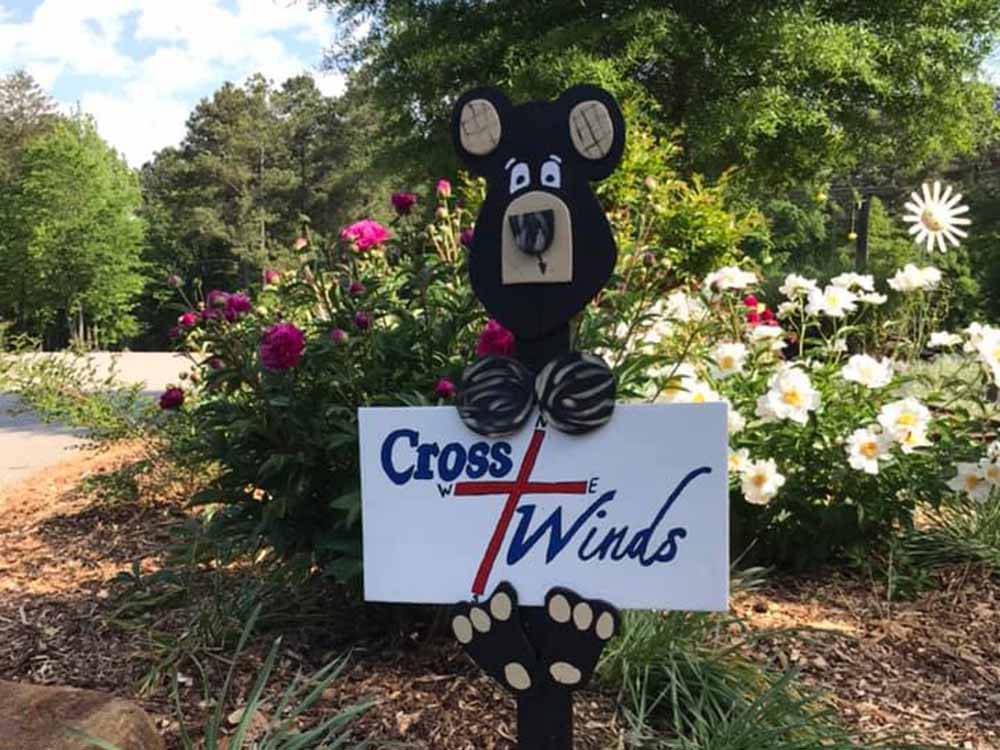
28, 445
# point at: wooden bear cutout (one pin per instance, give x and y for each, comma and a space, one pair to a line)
541, 251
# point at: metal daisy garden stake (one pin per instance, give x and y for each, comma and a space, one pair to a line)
537, 489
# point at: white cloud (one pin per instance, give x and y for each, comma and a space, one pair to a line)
141, 103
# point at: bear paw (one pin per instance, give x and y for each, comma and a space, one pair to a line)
492, 635
576, 392
578, 631
496, 397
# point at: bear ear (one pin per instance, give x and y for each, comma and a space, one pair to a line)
596, 129
477, 126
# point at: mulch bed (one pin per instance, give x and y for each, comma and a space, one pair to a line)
928, 668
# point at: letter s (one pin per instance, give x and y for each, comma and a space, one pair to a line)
397, 477
502, 464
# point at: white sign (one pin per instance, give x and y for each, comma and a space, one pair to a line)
636, 512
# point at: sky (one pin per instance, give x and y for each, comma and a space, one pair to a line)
140, 66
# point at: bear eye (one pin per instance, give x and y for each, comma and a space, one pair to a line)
520, 177
551, 174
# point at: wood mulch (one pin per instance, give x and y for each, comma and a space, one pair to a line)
928, 668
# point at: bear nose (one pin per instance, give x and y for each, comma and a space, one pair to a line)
533, 231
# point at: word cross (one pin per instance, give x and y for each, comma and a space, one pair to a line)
515, 491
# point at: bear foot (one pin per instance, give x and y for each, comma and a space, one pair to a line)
576, 392
492, 635
577, 633
496, 397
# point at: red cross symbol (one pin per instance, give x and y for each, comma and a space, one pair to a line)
515, 491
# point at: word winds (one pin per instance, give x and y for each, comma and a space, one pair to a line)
648, 545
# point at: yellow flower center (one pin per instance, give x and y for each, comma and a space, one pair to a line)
996, 354
759, 480
993, 473
972, 482
698, 398
728, 362
931, 220
793, 398
832, 300
907, 420
869, 449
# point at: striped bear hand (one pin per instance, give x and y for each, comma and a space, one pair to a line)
496, 397
576, 392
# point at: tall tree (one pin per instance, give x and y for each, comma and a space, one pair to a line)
791, 90
26, 111
257, 165
70, 239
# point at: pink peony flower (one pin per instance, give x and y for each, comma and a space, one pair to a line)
356, 289
362, 321
281, 347
215, 363
188, 319
750, 301
301, 242
174, 333
216, 298
338, 336
237, 305
172, 398
403, 202
444, 188
495, 340
768, 319
365, 234
174, 280
753, 318
445, 389
211, 313
271, 278
466, 237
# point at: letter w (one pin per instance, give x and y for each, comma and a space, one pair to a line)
522, 543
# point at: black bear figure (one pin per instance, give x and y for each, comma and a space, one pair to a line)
541, 251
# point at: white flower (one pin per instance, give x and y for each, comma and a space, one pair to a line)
910, 278
695, 391
833, 301
970, 480
730, 277
988, 348
865, 447
675, 372
852, 281
796, 286
773, 335
990, 468
761, 481
943, 339
936, 217
728, 359
785, 309
736, 422
738, 460
868, 371
994, 450
872, 298
791, 396
685, 387
684, 308
905, 421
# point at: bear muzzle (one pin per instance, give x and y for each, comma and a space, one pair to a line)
533, 231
